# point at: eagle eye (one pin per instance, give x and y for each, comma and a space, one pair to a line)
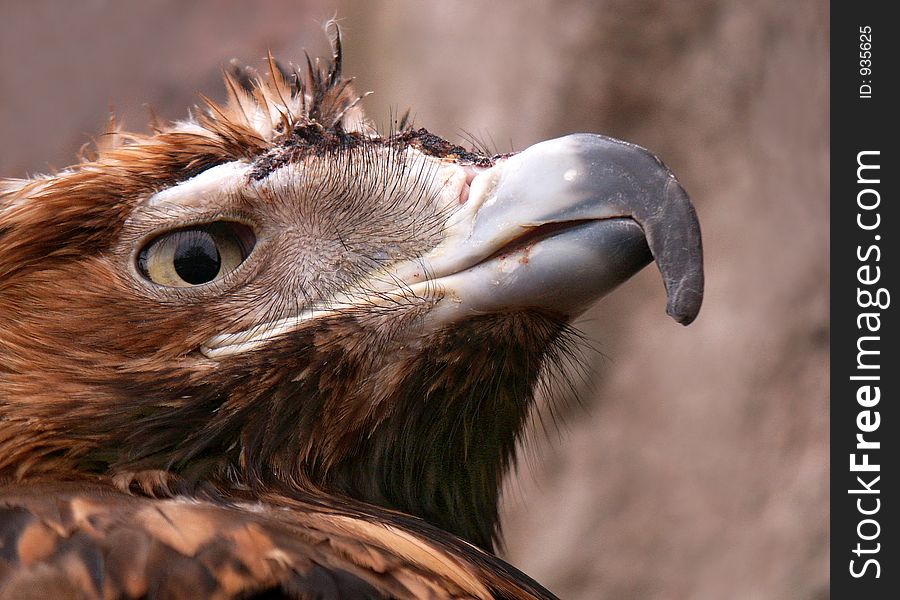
196, 255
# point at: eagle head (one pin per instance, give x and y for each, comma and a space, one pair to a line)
273, 300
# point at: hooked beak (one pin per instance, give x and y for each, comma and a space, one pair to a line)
562, 224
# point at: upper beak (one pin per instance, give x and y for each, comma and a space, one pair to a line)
563, 223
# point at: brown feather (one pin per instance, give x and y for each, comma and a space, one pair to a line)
90, 538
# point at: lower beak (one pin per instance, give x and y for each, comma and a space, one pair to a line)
562, 224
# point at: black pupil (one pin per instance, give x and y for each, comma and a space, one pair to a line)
197, 258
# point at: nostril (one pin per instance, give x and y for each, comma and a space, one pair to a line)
464, 192
470, 171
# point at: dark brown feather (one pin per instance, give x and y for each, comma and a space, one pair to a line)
94, 541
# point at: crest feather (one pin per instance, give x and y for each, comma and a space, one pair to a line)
261, 111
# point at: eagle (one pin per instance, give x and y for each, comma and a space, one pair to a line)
270, 352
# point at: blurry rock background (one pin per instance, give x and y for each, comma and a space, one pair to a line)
698, 466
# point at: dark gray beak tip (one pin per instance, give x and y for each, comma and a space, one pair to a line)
678, 250
630, 181
685, 307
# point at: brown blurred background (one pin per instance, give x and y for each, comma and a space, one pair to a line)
698, 468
